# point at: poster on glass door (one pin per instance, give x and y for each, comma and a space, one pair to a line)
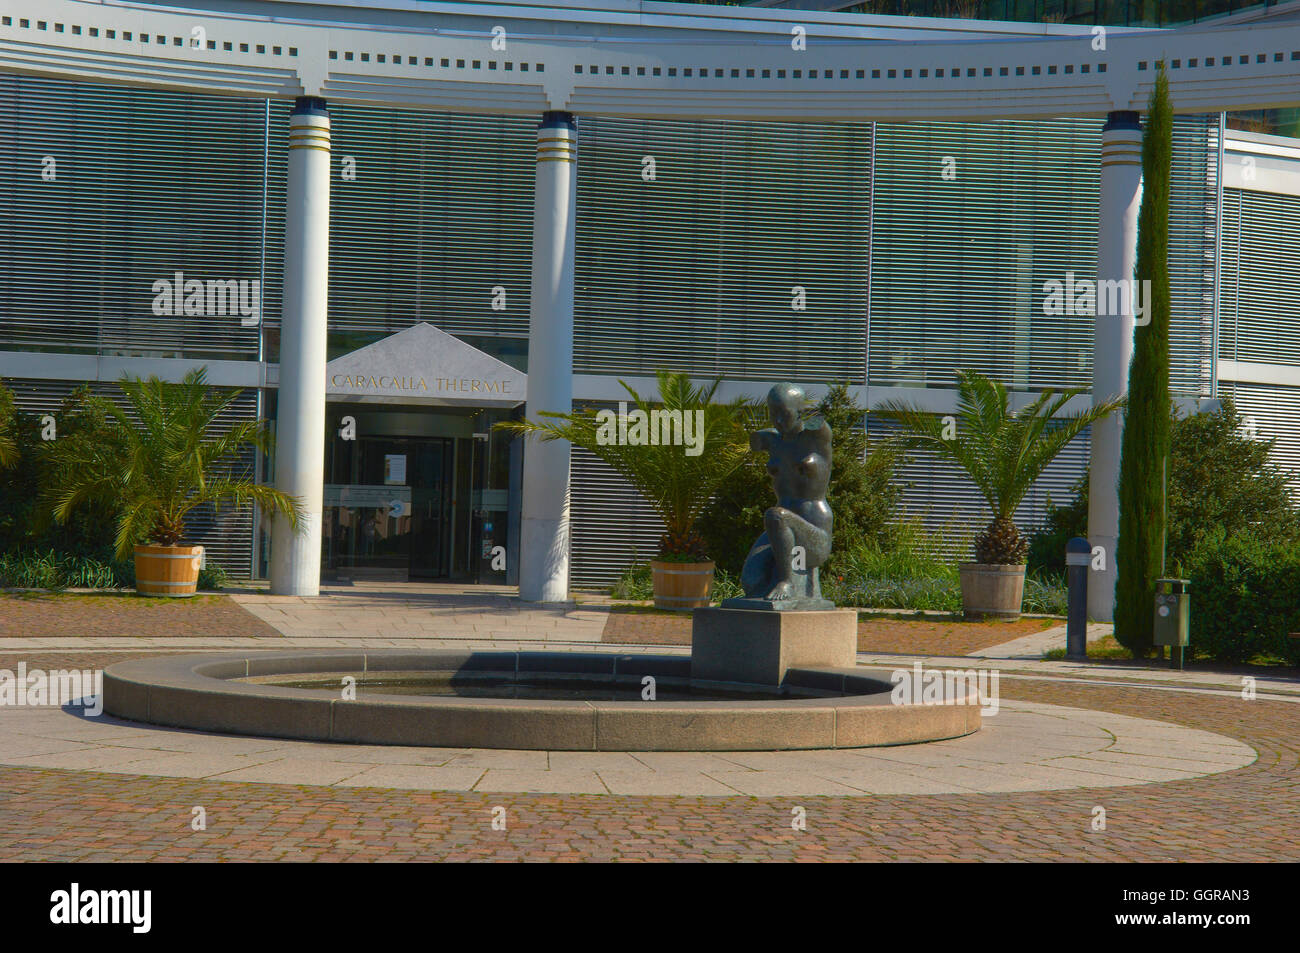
394, 469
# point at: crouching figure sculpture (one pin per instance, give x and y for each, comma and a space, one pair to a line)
781, 571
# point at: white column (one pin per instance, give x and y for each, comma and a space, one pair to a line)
300, 418
544, 533
1121, 195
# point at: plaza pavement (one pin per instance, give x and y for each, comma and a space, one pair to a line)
1183, 750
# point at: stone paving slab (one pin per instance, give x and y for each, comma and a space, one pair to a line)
415, 777
525, 780
1073, 742
296, 771
419, 611
1033, 646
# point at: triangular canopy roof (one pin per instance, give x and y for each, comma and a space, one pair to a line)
423, 364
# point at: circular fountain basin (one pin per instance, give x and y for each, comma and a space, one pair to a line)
558, 701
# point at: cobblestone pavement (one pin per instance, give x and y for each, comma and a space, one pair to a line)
38, 615
1250, 814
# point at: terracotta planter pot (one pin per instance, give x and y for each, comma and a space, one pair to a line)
991, 591
167, 570
682, 585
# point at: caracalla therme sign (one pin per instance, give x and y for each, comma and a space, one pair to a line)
462, 385
425, 363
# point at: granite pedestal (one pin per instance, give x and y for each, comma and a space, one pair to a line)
759, 646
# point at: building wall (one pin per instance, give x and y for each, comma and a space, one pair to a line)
906, 274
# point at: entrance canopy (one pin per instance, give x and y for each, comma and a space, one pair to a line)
425, 365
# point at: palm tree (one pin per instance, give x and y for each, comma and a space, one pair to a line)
676, 480
8, 441
158, 470
1002, 452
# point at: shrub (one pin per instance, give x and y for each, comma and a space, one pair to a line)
1046, 593
83, 420
883, 592
50, 570
57, 571
1062, 523
1245, 598
636, 583
1221, 481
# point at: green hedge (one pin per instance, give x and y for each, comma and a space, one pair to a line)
876, 580
1245, 599
51, 570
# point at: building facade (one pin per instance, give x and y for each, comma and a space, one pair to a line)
884, 254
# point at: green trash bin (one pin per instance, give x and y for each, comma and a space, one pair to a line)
1173, 612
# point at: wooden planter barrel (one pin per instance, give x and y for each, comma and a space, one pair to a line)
990, 590
167, 570
682, 586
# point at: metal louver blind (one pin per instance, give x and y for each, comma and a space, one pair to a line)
227, 535
611, 525
1276, 414
439, 213
694, 271
1259, 304
146, 183
1193, 207
959, 264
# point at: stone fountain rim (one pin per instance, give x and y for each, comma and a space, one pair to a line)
198, 692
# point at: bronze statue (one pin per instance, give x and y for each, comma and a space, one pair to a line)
781, 570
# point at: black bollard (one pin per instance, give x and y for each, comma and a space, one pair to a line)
1078, 557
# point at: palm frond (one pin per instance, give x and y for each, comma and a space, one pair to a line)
1001, 451
677, 485
166, 453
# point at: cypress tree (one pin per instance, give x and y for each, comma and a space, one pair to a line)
1145, 445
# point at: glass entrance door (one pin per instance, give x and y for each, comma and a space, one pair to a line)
430, 474
388, 510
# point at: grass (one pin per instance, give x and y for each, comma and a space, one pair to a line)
1109, 649
107, 599
1104, 648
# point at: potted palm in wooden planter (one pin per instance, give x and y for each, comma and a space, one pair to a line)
1003, 453
164, 455
675, 478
